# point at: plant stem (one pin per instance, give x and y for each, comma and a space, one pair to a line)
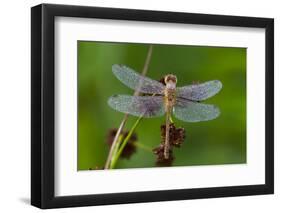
120, 138
124, 143
123, 122
115, 142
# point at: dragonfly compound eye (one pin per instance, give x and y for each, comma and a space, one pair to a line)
170, 78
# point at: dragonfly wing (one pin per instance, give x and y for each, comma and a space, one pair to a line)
190, 111
146, 106
199, 92
135, 81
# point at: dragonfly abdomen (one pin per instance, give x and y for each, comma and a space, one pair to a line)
170, 99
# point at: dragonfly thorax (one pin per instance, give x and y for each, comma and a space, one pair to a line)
170, 95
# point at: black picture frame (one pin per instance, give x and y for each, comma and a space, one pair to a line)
43, 110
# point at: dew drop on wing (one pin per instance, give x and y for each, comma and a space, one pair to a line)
135, 81
146, 106
190, 111
200, 92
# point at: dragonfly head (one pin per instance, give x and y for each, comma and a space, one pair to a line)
170, 79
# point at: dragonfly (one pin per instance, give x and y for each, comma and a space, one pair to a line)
160, 99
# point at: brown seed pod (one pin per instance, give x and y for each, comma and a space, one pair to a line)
176, 138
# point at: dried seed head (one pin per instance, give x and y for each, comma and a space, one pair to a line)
176, 135
176, 138
130, 148
161, 160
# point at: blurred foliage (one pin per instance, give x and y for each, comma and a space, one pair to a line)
220, 141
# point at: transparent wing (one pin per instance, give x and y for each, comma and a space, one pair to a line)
190, 111
135, 81
148, 106
199, 92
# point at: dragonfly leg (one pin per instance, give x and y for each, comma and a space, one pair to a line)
171, 120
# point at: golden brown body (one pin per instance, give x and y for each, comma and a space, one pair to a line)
169, 100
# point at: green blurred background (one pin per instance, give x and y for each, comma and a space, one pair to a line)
220, 141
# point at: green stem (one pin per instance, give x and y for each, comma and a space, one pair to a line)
124, 143
116, 147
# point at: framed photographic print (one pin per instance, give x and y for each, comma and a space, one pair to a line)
140, 106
